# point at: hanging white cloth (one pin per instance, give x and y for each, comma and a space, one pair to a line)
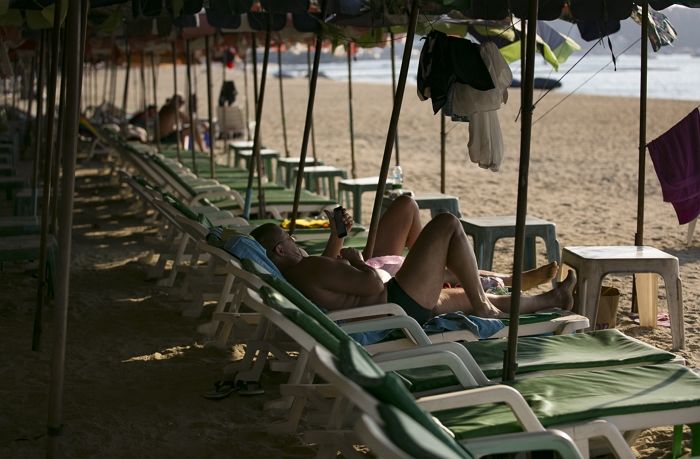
480, 107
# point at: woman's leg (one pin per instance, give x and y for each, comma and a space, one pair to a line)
398, 228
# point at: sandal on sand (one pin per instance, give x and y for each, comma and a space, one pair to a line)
222, 389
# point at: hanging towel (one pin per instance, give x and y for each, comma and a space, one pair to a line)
676, 158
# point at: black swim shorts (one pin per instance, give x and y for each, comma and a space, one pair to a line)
395, 294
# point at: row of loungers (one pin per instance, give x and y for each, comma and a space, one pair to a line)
430, 396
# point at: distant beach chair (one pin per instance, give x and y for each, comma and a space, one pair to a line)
231, 122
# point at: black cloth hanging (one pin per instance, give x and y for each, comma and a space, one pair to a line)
445, 60
228, 93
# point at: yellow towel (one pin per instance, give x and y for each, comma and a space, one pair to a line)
307, 223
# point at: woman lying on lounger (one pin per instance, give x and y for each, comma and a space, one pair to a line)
340, 278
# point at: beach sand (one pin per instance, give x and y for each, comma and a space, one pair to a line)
136, 369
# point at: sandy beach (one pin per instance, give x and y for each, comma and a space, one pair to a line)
136, 369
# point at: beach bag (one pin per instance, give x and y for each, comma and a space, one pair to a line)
607, 308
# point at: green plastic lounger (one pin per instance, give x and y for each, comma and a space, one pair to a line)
580, 404
530, 324
399, 429
563, 353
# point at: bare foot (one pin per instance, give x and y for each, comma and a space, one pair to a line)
564, 292
538, 276
487, 310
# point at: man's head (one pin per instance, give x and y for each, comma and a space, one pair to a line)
177, 101
279, 246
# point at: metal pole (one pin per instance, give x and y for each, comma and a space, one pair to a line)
353, 165
282, 111
106, 78
639, 235
154, 77
41, 58
255, 73
307, 127
190, 109
125, 99
443, 150
393, 91
510, 365
75, 37
48, 159
255, 160
313, 133
209, 108
177, 110
391, 134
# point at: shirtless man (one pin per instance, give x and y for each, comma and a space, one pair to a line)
168, 122
340, 279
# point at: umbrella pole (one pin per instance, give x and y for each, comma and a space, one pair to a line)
443, 150
190, 108
106, 79
210, 115
256, 164
392, 39
125, 99
224, 124
391, 134
510, 365
313, 133
154, 77
255, 73
308, 126
144, 99
48, 158
56, 169
353, 165
245, 88
41, 58
282, 111
639, 235
177, 110
75, 38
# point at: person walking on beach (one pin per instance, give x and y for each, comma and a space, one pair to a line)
341, 279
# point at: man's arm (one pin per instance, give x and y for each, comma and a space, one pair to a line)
335, 243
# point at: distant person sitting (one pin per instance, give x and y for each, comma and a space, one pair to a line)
141, 118
168, 118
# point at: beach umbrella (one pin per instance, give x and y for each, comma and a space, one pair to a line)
281, 88
209, 107
392, 40
190, 109
73, 49
351, 122
48, 164
259, 100
177, 112
393, 123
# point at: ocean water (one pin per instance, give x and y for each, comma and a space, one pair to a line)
670, 76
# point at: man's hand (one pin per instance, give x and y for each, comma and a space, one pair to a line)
347, 219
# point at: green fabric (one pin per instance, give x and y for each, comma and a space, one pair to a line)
296, 297
279, 303
580, 350
582, 396
388, 389
595, 350
414, 439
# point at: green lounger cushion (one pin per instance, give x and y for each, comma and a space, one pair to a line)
413, 438
582, 396
355, 363
599, 349
279, 303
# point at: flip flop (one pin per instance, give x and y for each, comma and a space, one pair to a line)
247, 388
222, 389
